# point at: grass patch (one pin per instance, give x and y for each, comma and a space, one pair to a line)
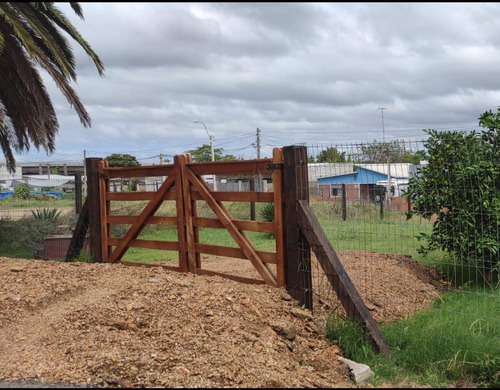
454, 340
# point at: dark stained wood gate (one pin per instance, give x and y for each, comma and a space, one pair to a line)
184, 184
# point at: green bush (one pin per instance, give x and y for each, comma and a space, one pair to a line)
22, 191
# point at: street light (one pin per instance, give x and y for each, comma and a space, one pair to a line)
211, 138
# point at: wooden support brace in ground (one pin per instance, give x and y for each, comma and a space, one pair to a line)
336, 274
78, 238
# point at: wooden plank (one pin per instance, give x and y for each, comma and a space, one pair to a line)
196, 231
245, 244
148, 244
139, 195
251, 226
78, 238
278, 217
298, 277
188, 214
148, 211
240, 279
238, 196
236, 167
142, 171
266, 257
336, 274
131, 219
179, 205
149, 265
94, 208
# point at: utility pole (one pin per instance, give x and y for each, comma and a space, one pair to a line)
388, 187
259, 181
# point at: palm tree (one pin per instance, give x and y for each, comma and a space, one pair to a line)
31, 36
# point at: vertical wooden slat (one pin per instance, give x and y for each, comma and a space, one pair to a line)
298, 277
181, 226
188, 214
94, 208
278, 217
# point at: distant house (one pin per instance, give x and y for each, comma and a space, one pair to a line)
367, 183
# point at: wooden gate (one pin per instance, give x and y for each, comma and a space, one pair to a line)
184, 184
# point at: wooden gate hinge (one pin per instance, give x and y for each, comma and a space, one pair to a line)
270, 167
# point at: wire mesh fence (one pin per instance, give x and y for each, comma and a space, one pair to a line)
416, 226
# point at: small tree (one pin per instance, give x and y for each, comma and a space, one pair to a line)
204, 153
122, 160
461, 186
331, 155
377, 152
22, 191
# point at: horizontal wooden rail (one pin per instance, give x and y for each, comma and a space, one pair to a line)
199, 271
139, 195
148, 244
130, 219
266, 257
236, 196
237, 167
251, 226
142, 171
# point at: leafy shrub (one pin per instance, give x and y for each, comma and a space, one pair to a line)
32, 232
460, 185
22, 191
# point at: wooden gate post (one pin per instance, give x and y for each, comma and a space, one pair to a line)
298, 275
94, 208
78, 192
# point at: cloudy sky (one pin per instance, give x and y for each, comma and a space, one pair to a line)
311, 73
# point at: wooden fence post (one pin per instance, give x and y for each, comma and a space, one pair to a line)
94, 208
252, 204
382, 200
344, 202
298, 276
78, 192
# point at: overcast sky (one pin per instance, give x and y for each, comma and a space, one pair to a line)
313, 73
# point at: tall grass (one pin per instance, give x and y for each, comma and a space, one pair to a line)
455, 339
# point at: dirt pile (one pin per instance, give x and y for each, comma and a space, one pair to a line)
118, 326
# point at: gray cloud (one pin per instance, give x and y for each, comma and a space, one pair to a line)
301, 72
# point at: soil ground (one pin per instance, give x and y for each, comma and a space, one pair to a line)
112, 325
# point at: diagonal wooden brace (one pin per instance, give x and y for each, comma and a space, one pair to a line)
244, 243
137, 227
